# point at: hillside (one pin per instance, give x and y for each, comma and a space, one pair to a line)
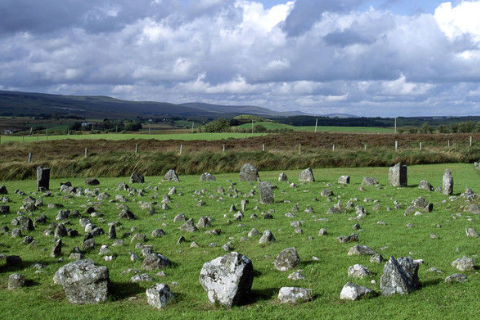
35, 104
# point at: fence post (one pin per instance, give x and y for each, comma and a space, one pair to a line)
365, 147
29, 157
136, 148
263, 147
223, 148
181, 149
448, 143
86, 152
396, 146
333, 148
471, 141
299, 148
420, 146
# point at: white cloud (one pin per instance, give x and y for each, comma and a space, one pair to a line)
460, 20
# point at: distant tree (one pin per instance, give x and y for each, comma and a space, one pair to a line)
466, 127
454, 127
260, 128
477, 127
426, 128
219, 125
442, 129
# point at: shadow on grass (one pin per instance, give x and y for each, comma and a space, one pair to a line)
124, 290
261, 295
429, 283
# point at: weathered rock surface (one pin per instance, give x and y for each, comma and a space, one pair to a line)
266, 194
425, 185
92, 182
456, 277
287, 259
351, 291
207, 177
228, 279
344, 180
159, 295
464, 264
171, 175
447, 183
294, 295
397, 175
83, 281
399, 276
15, 281
155, 261
248, 173
306, 175
358, 271
369, 181
266, 237
137, 178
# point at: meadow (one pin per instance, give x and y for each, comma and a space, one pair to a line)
277, 126
324, 261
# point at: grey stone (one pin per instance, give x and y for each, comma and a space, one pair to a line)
179, 217
358, 271
282, 177
26, 224
294, 295
15, 281
296, 276
159, 295
137, 178
16, 233
143, 277
4, 209
43, 179
207, 177
60, 231
347, 239
158, 233
464, 264
306, 175
56, 249
456, 277
3, 189
126, 214
253, 232
249, 173
425, 185
472, 233
399, 276
203, 222
369, 181
171, 175
266, 193
287, 259
344, 180
155, 261
376, 258
112, 232
83, 282
322, 232
188, 226
397, 175
447, 183
327, 193
266, 237
351, 291
92, 182
228, 279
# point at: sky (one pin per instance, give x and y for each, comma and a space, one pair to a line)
384, 58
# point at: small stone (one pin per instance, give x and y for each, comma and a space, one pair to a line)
294, 295
352, 292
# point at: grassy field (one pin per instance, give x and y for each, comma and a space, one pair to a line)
275, 126
128, 136
325, 276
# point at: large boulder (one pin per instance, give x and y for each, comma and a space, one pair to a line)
3, 189
425, 185
464, 264
83, 281
447, 184
306, 175
155, 261
287, 259
248, 173
43, 178
266, 194
171, 175
344, 180
397, 175
369, 181
137, 178
399, 276
159, 295
228, 279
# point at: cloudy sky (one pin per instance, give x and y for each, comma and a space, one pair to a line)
369, 58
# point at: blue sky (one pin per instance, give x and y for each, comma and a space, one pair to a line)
369, 58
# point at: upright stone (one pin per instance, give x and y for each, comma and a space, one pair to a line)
57, 249
171, 175
3, 189
344, 180
266, 194
43, 179
399, 276
159, 295
83, 281
287, 259
447, 186
306, 175
112, 232
397, 175
136, 178
249, 173
228, 279
283, 177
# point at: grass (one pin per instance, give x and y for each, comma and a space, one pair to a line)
128, 136
275, 126
325, 277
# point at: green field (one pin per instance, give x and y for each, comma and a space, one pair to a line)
276, 126
325, 276
127, 136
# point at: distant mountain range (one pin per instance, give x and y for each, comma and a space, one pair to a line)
14, 103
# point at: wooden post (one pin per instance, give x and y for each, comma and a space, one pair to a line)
420, 146
223, 148
316, 125
263, 147
448, 143
299, 148
116, 129
37, 138
86, 152
396, 146
181, 149
365, 147
471, 141
29, 157
0, 139
333, 148
136, 148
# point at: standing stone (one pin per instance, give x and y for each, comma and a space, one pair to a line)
249, 173
306, 175
228, 279
3, 189
57, 249
137, 178
43, 179
294, 295
266, 237
188, 226
60, 231
4, 209
15, 281
83, 281
171, 175
447, 185
207, 177
287, 259
112, 232
425, 185
26, 224
159, 295
282, 177
397, 175
399, 276
266, 194
344, 180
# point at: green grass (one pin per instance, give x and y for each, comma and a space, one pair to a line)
127, 136
325, 277
276, 126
